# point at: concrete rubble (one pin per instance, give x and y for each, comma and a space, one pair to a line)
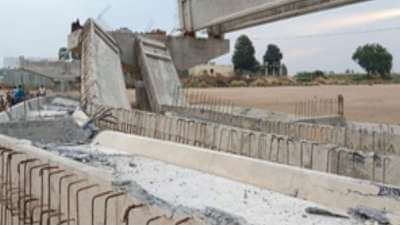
207, 166
215, 199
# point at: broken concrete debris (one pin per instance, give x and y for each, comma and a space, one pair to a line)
324, 212
392, 192
368, 214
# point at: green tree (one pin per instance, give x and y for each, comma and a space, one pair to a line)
284, 70
272, 59
244, 55
63, 53
375, 59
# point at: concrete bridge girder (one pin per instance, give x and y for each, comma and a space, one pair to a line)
223, 16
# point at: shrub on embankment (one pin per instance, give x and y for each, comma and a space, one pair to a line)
301, 79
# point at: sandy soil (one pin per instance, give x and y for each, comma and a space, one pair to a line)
378, 103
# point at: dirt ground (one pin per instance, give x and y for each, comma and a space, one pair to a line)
378, 103
364, 103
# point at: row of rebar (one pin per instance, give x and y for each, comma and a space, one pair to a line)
258, 145
22, 204
319, 107
201, 101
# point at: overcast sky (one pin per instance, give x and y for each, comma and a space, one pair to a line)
40, 27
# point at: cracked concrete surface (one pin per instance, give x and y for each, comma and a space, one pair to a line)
215, 199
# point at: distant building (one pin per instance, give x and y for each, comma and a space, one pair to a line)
10, 62
15, 62
212, 69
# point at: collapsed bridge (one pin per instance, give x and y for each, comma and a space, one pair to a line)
170, 162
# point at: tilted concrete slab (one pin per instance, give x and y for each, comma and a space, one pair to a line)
332, 191
158, 72
102, 76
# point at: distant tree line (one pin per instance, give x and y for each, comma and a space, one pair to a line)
244, 59
373, 58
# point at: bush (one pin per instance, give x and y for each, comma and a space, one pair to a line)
203, 84
309, 76
259, 82
238, 83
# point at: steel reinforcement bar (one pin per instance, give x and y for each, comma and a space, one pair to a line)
38, 187
281, 149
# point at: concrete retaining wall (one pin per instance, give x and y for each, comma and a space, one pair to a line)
333, 191
22, 110
277, 148
42, 188
13, 78
57, 130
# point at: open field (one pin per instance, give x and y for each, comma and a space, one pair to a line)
378, 103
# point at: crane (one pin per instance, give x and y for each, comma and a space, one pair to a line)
103, 12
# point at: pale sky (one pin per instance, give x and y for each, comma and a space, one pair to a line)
38, 28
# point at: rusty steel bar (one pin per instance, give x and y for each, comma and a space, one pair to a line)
57, 214
49, 185
128, 210
25, 164
60, 189
94, 199
153, 219
65, 221
116, 195
273, 137
41, 173
31, 175
232, 134
182, 221
262, 138
328, 162
289, 140
48, 211
33, 214
25, 214
9, 182
77, 199
69, 193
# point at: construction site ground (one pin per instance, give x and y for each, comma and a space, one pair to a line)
364, 103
